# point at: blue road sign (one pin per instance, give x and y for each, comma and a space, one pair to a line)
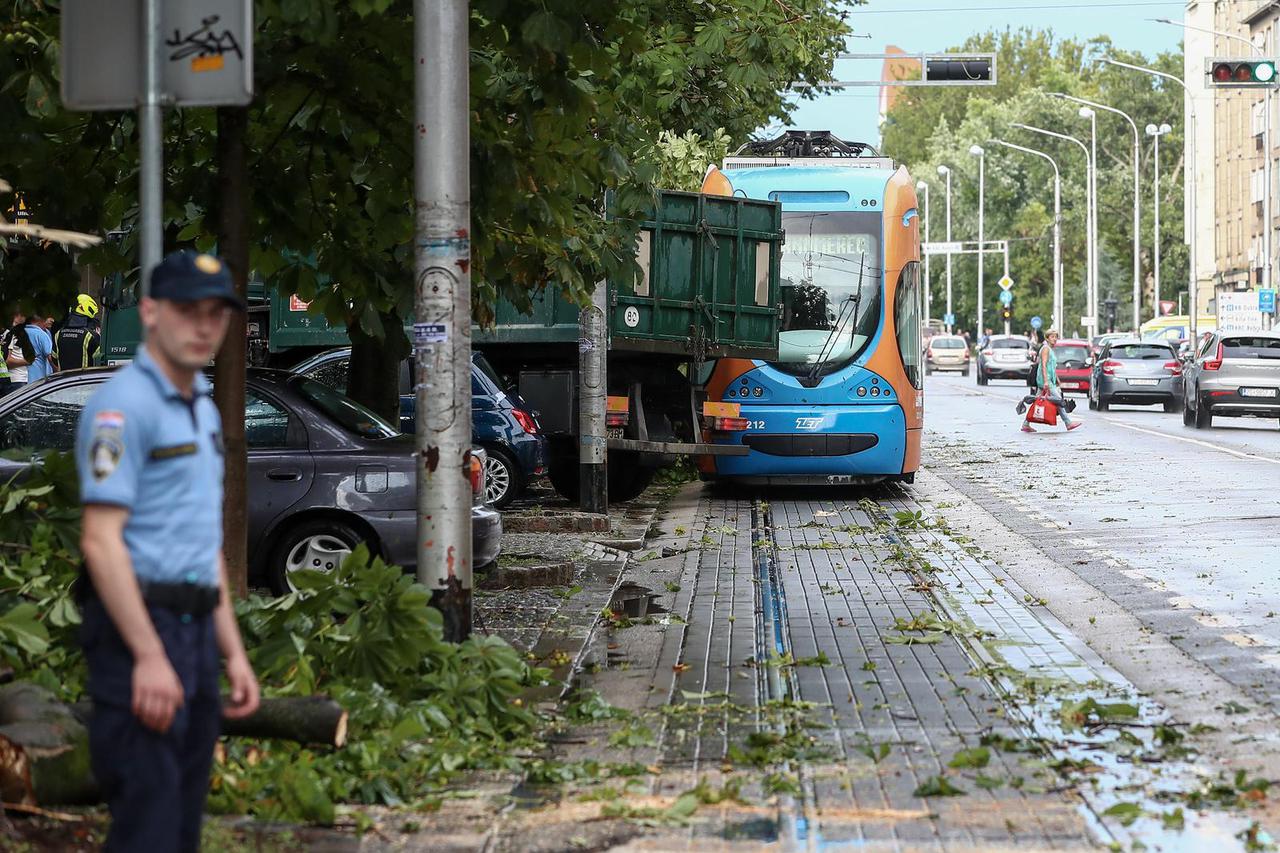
1267, 301
1006, 297
949, 319
1036, 322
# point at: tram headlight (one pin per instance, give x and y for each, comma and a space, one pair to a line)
862, 391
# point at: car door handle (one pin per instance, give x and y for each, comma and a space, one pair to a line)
286, 475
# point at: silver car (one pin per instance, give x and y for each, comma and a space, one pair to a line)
1005, 357
946, 352
1233, 375
1136, 373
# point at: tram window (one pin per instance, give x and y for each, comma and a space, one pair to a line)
907, 322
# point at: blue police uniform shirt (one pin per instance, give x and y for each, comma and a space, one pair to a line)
142, 446
42, 343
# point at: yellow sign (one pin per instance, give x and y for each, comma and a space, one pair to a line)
619, 404
721, 410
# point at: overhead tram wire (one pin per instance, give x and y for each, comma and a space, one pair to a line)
1029, 7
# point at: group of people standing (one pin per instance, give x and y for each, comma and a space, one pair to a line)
35, 346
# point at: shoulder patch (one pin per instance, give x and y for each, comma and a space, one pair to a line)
107, 444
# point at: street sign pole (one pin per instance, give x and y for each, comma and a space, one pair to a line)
442, 307
151, 150
593, 454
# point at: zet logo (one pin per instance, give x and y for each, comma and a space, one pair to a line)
809, 424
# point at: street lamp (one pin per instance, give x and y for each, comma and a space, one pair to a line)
1189, 199
976, 151
1087, 112
1155, 133
1057, 227
1090, 249
945, 171
1137, 216
928, 292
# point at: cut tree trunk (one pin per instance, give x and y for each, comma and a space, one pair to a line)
44, 750
304, 719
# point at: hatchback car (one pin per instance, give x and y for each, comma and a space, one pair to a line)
946, 352
324, 473
1073, 365
1005, 357
1233, 375
501, 423
1136, 373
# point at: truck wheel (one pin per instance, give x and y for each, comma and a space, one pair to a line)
627, 477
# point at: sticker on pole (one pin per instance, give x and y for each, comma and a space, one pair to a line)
586, 345
631, 316
430, 333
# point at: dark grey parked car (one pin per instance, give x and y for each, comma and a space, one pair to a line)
324, 472
1136, 373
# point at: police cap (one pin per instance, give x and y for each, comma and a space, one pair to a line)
189, 277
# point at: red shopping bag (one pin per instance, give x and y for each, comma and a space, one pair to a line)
1043, 411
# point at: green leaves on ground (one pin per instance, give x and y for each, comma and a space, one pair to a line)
1089, 711
971, 759
938, 786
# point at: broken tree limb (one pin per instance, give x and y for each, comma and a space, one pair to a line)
304, 719
44, 749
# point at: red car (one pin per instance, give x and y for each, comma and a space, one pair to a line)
1073, 367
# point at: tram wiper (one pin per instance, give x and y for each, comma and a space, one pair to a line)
828, 345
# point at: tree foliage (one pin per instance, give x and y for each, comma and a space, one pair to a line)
928, 127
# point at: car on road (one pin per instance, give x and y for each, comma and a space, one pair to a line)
1097, 342
1073, 365
946, 352
324, 473
1005, 357
1135, 372
501, 422
1233, 375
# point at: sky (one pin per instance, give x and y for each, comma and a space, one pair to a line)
935, 25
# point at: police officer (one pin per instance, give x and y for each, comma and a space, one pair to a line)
157, 610
77, 343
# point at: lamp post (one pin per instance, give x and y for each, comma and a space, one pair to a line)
976, 151
928, 291
1189, 199
1057, 226
1267, 99
1090, 248
1155, 133
1087, 112
945, 171
1137, 215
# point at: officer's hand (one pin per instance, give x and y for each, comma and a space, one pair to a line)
244, 689
157, 692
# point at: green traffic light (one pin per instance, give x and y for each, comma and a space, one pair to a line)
1264, 72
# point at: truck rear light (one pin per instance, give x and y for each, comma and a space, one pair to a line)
1216, 362
616, 419
1109, 367
526, 421
477, 476
1174, 368
729, 424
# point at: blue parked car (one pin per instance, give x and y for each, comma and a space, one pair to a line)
500, 421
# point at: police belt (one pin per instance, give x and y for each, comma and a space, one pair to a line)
184, 598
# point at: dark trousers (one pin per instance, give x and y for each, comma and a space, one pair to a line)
154, 784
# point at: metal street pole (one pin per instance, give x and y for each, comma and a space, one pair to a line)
976, 151
1090, 249
1006, 275
1156, 133
1057, 228
593, 403
1189, 199
442, 307
946, 171
151, 150
928, 282
1137, 215
1086, 112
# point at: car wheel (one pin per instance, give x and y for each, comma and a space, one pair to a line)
320, 545
1093, 403
1187, 414
1170, 406
502, 480
965, 372
1103, 404
1204, 417
928, 370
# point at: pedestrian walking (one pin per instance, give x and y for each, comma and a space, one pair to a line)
985, 340
77, 343
17, 352
43, 364
155, 601
1046, 373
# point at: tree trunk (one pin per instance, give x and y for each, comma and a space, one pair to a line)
373, 378
229, 368
314, 720
44, 750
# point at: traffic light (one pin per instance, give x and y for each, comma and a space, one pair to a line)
1006, 313
1240, 72
957, 70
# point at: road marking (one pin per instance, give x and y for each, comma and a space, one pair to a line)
1247, 641
1237, 453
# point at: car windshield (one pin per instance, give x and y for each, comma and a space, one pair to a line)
831, 289
349, 414
1250, 347
947, 343
1071, 355
1140, 352
1010, 343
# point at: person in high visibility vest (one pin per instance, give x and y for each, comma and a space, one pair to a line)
79, 341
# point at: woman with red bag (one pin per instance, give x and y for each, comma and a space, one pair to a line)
1050, 400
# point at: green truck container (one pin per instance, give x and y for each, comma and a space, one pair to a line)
708, 287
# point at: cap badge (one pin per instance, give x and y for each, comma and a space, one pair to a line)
208, 264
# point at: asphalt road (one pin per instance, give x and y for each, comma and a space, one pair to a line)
1175, 524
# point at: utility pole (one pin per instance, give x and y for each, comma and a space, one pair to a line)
928, 282
945, 171
151, 151
977, 151
442, 307
1155, 133
593, 452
